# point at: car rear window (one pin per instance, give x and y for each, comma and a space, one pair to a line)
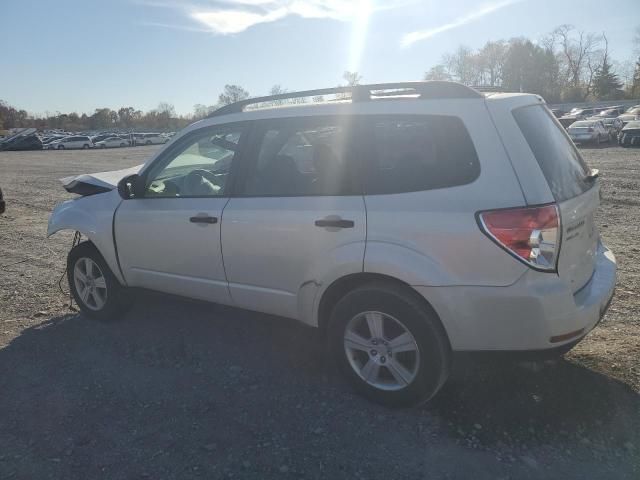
418, 152
561, 163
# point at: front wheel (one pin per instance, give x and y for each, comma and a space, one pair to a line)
93, 286
60, 147
85, 146
389, 344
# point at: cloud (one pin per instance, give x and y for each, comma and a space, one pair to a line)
413, 37
226, 17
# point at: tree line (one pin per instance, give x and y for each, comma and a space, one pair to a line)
566, 65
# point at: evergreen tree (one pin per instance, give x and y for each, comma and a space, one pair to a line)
606, 84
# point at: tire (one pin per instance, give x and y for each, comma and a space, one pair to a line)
85, 146
426, 354
60, 147
103, 146
108, 299
148, 142
122, 145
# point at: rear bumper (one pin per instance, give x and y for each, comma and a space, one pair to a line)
539, 312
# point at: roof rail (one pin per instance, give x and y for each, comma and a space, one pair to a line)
363, 93
491, 89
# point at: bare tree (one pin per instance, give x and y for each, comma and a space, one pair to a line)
462, 66
490, 62
231, 94
577, 52
352, 78
437, 72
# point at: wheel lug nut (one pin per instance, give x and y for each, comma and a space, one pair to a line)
383, 359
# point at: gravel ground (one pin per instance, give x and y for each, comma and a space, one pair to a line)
181, 389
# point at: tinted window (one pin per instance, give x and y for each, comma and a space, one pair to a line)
563, 167
300, 158
408, 154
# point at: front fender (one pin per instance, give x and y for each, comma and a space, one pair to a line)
92, 216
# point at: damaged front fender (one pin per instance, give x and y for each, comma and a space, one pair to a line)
92, 216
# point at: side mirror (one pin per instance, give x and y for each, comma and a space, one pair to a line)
128, 185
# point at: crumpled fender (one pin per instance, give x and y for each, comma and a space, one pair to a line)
92, 216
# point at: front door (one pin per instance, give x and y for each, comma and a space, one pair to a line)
298, 216
169, 238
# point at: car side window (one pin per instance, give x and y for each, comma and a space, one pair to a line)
415, 153
201, 167
303, 158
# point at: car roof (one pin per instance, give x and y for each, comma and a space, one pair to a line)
373, 99
579, 123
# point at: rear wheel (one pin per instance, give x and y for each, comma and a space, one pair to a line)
123, 144
85, 146
93, 286
389, 344
60, 147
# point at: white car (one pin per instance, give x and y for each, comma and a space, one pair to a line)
150, 138
589, 131
111, 142
409, 226
72, 142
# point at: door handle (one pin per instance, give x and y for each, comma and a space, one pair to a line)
203, 219
334, 223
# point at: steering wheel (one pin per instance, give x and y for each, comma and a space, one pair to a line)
197, 182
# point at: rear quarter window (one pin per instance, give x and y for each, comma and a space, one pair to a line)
561, 163
416, 153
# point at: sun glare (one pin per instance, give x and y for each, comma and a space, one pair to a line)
361, 14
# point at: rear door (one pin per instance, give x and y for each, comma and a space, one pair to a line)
298, 214
572, 186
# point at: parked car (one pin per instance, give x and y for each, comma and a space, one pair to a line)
407, 229
630, 134
588, 131
613, 126
72, 142
635, 110
575, 115
3, 204
628, 117
98, 138
150, 138
609, 112
25, 139
110, 142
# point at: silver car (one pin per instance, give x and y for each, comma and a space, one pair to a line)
414, 223
589, 131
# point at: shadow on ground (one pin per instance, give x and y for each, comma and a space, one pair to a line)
185, 390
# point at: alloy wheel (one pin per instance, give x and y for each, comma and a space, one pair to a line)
90, 283
381, 350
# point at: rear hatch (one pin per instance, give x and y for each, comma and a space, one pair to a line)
573, 185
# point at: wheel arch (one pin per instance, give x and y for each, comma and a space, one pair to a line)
343, 285
92, 216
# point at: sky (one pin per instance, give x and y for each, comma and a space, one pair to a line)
79, 55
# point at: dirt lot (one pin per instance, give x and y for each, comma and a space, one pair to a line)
181, 390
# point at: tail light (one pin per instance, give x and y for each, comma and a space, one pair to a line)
531, 234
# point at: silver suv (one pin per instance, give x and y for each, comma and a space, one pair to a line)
407, 221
